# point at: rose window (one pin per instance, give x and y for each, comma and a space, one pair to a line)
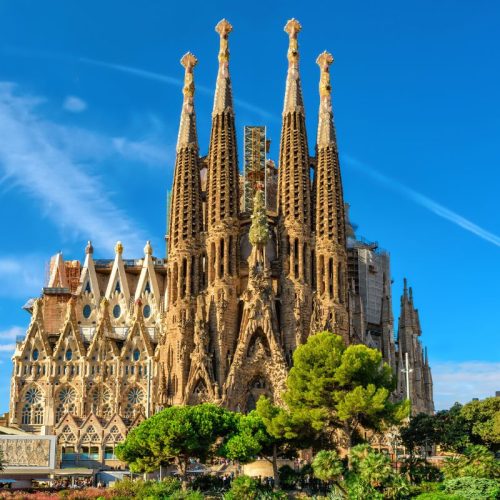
33, 396
67, 395
135, 395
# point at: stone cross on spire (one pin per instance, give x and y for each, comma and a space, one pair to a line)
187, 129
223, 94
326, 131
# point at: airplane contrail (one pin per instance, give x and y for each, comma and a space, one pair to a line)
424, 201
178, 82
132, 70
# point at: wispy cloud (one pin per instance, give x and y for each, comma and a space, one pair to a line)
424, 201
49, 162
74, 104
460, 382
21, 276
138, 72
7, 347
12, 333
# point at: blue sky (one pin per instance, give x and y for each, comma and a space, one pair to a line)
89, 108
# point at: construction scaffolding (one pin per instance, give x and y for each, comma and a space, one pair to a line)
255, 164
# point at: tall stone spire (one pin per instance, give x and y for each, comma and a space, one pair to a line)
294, 206
294, 200
330, 216
184, 241
223, 179
186, 210
222, 223
331, 254
421, 390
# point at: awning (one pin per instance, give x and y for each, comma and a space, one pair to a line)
74, 472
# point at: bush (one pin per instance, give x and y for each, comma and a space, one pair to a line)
243, 488
288, 477
437, 495
146, 490
473, 488
419, 470
477, 461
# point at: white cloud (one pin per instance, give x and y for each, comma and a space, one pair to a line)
21, 276
49, 162
7, 347
74, 104
12, 333
425, 202
143, 151
460, 382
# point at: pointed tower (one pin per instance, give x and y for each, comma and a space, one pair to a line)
331, 253
387, 322
409, 332
184, 240
222, 224
294, 206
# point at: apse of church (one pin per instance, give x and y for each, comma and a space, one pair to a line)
113, 341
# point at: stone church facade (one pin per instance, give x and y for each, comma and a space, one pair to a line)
110, 342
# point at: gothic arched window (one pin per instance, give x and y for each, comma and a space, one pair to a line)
26, 414
38, 414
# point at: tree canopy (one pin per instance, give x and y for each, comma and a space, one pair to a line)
176, 435
342, 387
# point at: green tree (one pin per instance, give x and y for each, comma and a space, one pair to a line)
420, 431
339, 387
372, 476
176, 435
327, 466
476, 461
269, 431
483, 418
448, 428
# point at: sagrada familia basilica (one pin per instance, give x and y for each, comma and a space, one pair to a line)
111, 342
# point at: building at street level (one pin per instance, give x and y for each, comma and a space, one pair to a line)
242, 284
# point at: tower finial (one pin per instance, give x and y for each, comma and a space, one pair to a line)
89, 249
118, 248
187, 128
324, 61
405, 288
188, 61
148, 249
293, 27
224, 28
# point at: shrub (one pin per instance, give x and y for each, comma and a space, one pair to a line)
476, 461
437, 495
419, 470
244, 488
145, 490
288, 477
473, 488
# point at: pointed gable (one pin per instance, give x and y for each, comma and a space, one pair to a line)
118, 284
35, 335
57, 277
148, 284
102, 346
70, 338
138, 336
89, 284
